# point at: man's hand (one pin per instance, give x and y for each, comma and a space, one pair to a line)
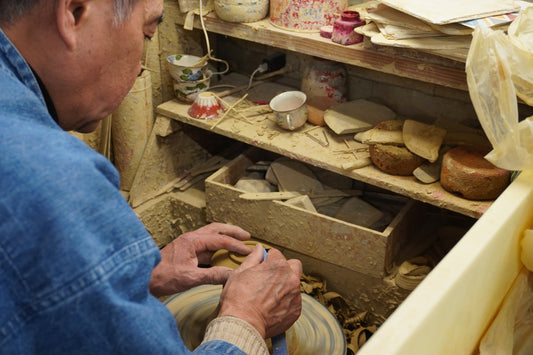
179, 267
265, 294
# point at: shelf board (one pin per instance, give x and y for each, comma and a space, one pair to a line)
263, 32
265, 134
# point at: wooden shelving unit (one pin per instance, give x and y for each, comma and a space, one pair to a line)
439, 71
265, 134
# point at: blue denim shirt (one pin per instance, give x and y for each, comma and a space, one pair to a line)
75, 261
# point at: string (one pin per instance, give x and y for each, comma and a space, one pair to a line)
207, 41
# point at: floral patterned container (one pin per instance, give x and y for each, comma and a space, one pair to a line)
241, 10
307, 15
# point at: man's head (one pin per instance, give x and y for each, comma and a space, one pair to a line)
86, 52
11, 10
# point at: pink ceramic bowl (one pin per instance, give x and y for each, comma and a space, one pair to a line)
206, 106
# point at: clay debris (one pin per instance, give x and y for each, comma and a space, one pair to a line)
316, 191
357, 325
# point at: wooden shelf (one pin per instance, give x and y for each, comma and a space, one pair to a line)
265, 134
442, 72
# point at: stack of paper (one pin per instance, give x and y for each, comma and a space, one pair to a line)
441, 28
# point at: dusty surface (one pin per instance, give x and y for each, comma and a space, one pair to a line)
364, 250
131, 125
168, 216
164, 158
264, 133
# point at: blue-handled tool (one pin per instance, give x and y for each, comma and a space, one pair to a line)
279, 342
279, 345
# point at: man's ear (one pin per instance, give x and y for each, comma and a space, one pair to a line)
69, 16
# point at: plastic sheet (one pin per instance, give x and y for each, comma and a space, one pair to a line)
498, 70
511, 332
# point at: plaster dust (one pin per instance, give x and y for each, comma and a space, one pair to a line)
170, 215
131, 125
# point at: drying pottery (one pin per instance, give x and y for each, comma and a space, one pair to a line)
465, 171
185, 67
302, 202
422, 139
316, 332
292, 175
412, 272
386, 132
305, 16
394, 160
241, 10
343, 28
290, 109
326, 31
254, 185
187, 91
356, 116
223, 257
325, 78
357, 211
316, 106
205, 106
428, 172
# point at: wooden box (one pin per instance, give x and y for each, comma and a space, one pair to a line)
353, 247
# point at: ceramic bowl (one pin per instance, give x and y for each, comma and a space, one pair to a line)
290, 109
241, 10
187, 91
205, 106
223, 257
184, 67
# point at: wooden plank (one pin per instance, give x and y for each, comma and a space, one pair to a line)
265, 134
451, 309
313, 44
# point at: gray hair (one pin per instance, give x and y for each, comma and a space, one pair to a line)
12, 10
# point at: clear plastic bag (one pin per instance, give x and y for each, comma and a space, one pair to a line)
499, 67
521, 38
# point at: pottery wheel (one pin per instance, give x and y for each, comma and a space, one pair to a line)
316, 332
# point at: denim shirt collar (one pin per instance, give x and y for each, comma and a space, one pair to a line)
11, 61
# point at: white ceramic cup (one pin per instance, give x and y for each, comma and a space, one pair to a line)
183, 67
290, 109
186, 67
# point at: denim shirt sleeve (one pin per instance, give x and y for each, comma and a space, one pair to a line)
75, 261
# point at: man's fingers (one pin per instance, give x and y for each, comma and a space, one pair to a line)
296, 266
217, 275
218, 241
254, 258
228, 229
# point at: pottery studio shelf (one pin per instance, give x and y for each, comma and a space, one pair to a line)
265, 134
410, 64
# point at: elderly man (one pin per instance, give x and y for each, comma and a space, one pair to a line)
78, 271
